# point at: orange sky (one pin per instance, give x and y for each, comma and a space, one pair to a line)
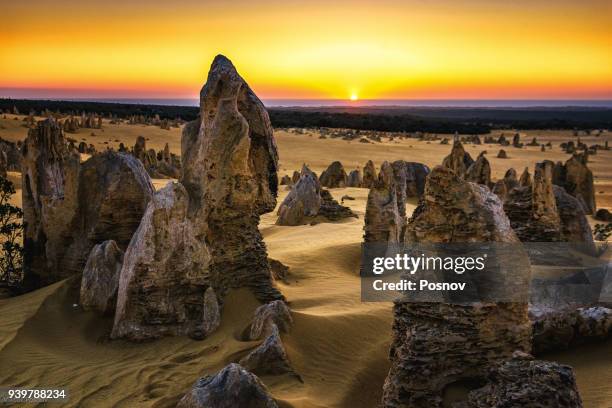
309, 49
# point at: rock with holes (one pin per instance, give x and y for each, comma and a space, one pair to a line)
334, 176
277, 313
101, 278
229, 169
523, 381
230, 388
270, 358
450, 342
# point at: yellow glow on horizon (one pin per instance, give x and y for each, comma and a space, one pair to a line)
408, 49
354, 97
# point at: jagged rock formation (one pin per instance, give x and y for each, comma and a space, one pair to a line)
410, 178
502, 187
543, 212
50, 177
270, 357
275, 313
113, 193
458, 160
383, 218
438, 344
354, 179
163, 282
199, 238
308, 202
369, 174
525, 180
480, 171
160, 164
560, 328
577, 179
334, 176
525, 382
230, 388
101, 278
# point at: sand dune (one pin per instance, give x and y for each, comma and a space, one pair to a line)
338, 344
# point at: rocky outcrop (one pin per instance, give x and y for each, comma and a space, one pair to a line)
525, 382
296, 176
603, 214
458, 160
480, 171
307, 202
162, 164
458, 341
334, 176
502, 154
560, 328
410, 178
11, 155
354, 179
286, 181
50, 177
163, 278
101, 278
229, 168
231, 387
369, 174
577, 179
525, 180
69, 207
269, 358
113, 193
274, 313
543, 212
384, 222
199, 238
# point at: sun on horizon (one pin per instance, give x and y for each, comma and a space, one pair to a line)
354, 96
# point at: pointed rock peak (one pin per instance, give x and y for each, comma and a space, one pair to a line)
385, 176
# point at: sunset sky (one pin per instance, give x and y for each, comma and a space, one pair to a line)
464, 49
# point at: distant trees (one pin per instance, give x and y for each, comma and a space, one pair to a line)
11, 233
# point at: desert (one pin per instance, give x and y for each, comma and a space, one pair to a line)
334, 349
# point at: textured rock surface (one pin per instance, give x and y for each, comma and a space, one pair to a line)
544, 212
303, 202
525, 382
561, 328
437, 344
101, 278
277, 313
229, 169
199, 238
113, 193
50, 176
577, 179
69, 207
384, 221
458, 160
354, 179
163, 278
410, 178
502, 154
480, 171
369, 174
270, 357
232, 387
334, 176
307, 202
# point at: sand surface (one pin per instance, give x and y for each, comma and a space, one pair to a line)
338, 344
